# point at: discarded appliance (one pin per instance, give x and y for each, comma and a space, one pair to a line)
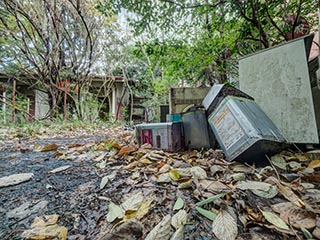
244, 131
217, 93
197, 133
283, 81
174, 117
165, 136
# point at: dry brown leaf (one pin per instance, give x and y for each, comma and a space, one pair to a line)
290, 195
45, 227
133, 202
312, 177
212, 186
126, 150
198, 173
116, 145
160, 231
314, 164
160, 165
178, 235
47, 148
255, 216
132, 165
225, 226
179, 219
297, 217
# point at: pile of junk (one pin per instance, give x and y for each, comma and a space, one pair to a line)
273, 109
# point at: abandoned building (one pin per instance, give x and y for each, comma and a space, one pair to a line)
112, 93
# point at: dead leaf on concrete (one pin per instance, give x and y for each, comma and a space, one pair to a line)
46, 148
106, 179
161, 231
60, 169
225, 226
316, 233
26, 209
164, 178
15, 179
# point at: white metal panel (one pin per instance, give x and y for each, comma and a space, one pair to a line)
278, 79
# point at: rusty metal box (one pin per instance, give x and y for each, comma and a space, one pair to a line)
245, 133
165, 136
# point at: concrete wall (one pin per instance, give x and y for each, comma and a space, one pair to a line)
182, 98
278, 79
119, 90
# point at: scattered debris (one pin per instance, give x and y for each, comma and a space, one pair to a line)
152, 194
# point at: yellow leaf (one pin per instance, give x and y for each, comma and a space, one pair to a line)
185, 184
101, 146
49, 232
45, 227
144, 209
145, 161
46, 148
132, 165
45, 220
314, 164
174, 175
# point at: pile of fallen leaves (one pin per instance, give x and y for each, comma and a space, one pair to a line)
151, 194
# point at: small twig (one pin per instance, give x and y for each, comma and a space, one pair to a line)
297, 148
297, 236
278, 176
84, 217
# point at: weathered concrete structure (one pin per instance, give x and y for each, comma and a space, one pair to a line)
112, 91
181, 99
283, 81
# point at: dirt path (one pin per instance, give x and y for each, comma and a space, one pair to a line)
108, 181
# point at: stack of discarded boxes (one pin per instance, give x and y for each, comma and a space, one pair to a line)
243, 131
